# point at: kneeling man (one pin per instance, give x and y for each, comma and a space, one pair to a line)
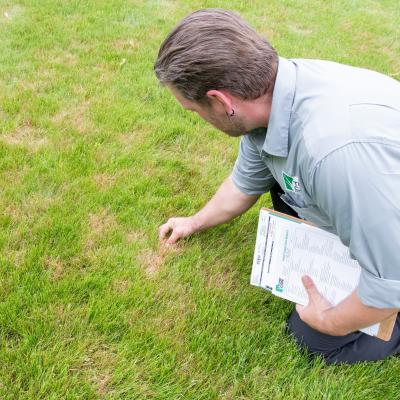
334, 129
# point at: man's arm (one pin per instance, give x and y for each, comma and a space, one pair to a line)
348, 316
249, 179
227, 203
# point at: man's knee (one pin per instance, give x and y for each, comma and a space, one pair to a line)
315, 342
296, 329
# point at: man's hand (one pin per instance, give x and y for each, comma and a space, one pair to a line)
313, 314
348, 316
176, 228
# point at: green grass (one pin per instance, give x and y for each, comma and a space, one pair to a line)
94, 155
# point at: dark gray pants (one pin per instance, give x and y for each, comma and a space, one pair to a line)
347, 349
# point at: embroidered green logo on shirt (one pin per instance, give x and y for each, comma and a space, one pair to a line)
291, 182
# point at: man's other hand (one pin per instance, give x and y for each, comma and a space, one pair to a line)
176, 228
313, 314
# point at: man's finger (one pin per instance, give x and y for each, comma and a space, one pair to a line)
163, 231
311, 289
299, 308
173, 238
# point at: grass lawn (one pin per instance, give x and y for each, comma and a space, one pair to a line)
94, 155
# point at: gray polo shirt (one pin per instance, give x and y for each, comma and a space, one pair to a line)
333, 145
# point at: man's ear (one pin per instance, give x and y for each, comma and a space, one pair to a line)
221, 99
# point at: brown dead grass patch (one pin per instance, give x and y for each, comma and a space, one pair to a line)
133, 138
79, 89
101, 221
135, 236
126, 44
61, 312
14, 212
17, 257
35, 204
55, 267
176, 248
202, 159
164, 324
27, 136
121, 285
229, 394
267, 32
76, 116
151, 260
220, 280
97, 364
104, 180
99, 225
65, 58
135, 316
300, 30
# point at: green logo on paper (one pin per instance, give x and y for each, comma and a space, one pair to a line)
279, 286
291, 183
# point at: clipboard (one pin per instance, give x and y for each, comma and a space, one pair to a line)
386, 326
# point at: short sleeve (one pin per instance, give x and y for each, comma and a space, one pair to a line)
250, 173
358, 187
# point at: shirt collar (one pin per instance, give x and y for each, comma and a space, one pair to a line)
277, 139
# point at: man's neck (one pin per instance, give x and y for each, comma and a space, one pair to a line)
257, 111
